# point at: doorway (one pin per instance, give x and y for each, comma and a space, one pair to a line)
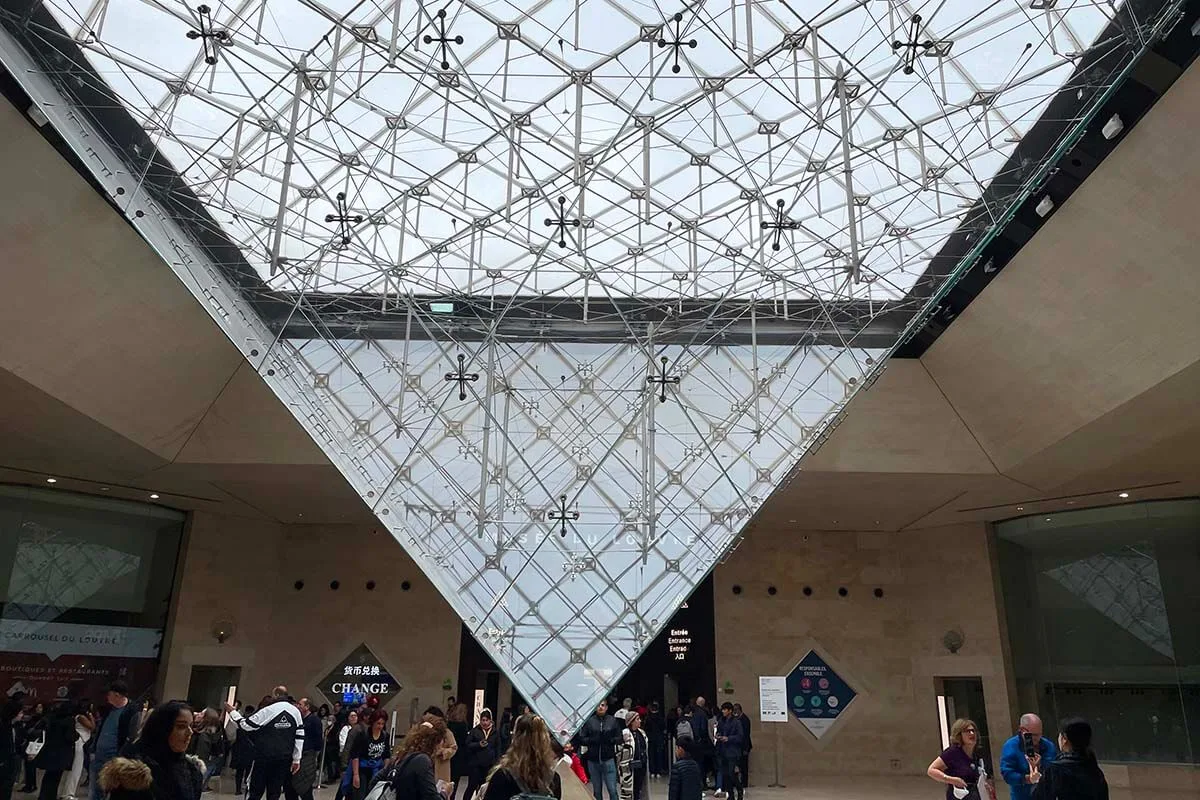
962, 698
208, 685
680, 664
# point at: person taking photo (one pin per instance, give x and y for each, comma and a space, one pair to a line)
1024, 754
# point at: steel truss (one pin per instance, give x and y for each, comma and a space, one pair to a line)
566, 289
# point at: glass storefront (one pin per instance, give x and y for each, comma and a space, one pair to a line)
1103, 612
85, 588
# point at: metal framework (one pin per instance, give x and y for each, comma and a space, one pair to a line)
565, 288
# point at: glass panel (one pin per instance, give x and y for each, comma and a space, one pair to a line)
1105, 603
85, 587
568, 507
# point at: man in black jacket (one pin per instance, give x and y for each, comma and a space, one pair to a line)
747, 743
686, 781
702, 741
301, 785
601, 734
277, 731
656, 731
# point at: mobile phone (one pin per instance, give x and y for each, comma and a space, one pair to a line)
1031, 749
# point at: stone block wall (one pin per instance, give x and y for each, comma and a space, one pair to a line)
888, 648
246, 570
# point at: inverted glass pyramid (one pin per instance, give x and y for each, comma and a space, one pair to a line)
563, 506
566, 288
1125, 586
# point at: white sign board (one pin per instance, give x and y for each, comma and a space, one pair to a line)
772, 698
478, 705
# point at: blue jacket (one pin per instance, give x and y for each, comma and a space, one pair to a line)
1014, 766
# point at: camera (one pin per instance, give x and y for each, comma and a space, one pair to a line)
1031, 744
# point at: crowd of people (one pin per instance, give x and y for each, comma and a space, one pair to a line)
66, 742
625, 745
288, 747
1033, 766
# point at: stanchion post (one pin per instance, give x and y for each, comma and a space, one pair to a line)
778, 737
321, 758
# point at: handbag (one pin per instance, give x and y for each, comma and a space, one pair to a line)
35, 746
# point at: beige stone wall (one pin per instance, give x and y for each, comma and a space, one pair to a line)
415, 633
225, 569
888, 648
246, 570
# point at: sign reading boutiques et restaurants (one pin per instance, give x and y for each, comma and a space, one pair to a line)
358, 676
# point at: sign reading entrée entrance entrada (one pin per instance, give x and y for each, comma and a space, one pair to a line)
358, 676
817, 695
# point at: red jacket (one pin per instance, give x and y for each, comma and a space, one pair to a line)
577, 768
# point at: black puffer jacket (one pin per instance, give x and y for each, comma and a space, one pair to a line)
686, 781
1072, 777
138, 775
483, 749
601, 735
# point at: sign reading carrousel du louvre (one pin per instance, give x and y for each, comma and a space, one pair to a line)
357, 677
817, 695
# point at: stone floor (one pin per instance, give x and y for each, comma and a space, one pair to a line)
814, 788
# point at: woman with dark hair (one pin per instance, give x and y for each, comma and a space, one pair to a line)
413, 777
457, 723
209, 744
241, 755
483, 750
156, 766
527, 766
1074, 774
58, 751
369, 755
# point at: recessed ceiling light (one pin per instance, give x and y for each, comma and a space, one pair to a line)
51, 480
153, 497
1123, 495
104, 488
1047, 519
1020, 508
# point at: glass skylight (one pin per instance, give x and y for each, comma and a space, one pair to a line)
566, 289
754, 149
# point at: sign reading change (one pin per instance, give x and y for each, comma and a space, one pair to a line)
817, 695
357, 677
